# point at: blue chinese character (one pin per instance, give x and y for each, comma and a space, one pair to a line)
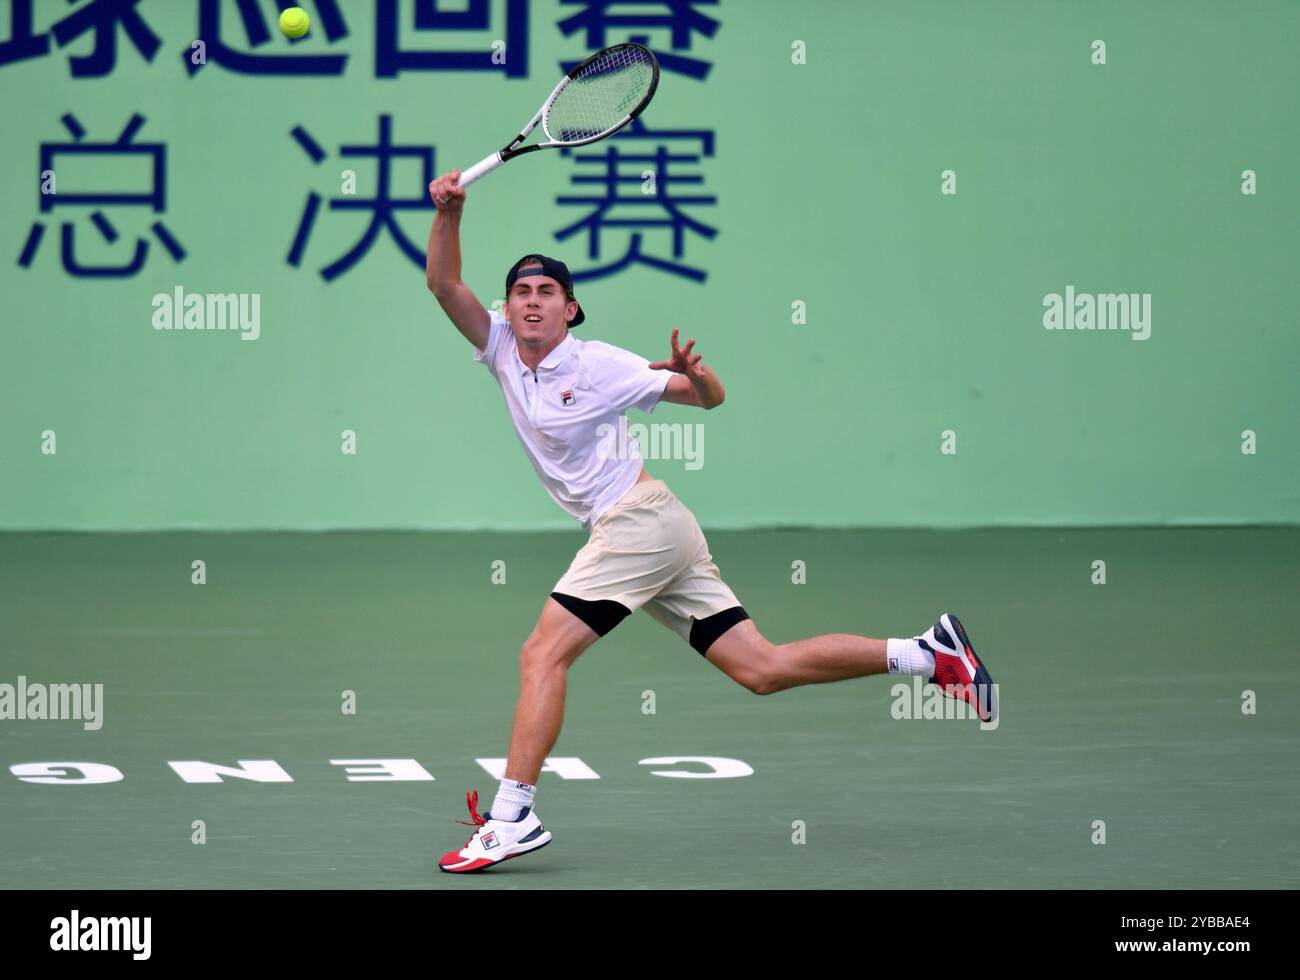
381, 205
649, 173
677, 16
103, 17
22, 42
390, 59
257, 32
155, 155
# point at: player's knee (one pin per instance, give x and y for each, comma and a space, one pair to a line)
761, 673
748, 657
767, 682
758, 682
541, 653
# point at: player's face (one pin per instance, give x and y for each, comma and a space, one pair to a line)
538, 310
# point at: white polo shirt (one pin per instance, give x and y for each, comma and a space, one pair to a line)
567, 415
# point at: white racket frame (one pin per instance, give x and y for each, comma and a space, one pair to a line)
490, 163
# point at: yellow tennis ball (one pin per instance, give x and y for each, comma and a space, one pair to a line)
294, 22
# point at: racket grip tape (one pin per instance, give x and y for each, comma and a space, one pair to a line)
480, 169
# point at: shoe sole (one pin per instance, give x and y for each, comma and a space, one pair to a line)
489, 867
983, 679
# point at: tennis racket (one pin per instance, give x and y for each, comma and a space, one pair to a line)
596, 99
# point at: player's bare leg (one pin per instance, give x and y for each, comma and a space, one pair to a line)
748, 657
544, 663
511, 828
943, 655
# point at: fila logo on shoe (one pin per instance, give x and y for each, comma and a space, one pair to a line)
489, 840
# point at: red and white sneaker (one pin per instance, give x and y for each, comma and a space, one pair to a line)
956, 668
494, 841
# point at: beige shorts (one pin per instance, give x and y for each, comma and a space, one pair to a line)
648, 550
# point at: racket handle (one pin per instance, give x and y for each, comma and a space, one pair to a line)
480, 169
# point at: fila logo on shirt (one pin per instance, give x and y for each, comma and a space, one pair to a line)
566, 397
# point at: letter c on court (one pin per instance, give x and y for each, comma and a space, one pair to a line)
722, 768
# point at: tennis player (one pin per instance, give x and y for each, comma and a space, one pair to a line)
645, 549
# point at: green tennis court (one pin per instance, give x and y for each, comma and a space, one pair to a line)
1120, 702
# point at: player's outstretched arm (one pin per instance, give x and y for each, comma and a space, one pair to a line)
697, 384
442, 262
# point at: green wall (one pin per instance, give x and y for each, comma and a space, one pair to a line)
924, 310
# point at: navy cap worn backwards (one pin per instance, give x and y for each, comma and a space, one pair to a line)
542, 265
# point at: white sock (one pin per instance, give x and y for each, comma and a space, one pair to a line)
512, 799
906, 656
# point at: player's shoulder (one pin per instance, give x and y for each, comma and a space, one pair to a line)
498, 328
599, 353
499, 336
498, 320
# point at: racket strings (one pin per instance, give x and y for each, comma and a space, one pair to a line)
600, 96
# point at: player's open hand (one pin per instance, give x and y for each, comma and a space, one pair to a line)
447, 193
682, 361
